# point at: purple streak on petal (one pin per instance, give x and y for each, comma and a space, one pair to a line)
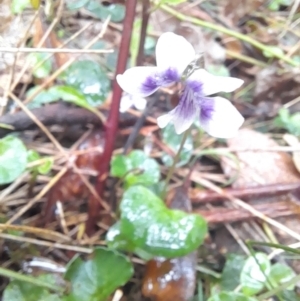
196, 87
187, 106
160, 79
170, 76
206, 109
150, 84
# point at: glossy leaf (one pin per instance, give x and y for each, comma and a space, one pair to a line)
230, 296
44, 69
231, 273
23, 291
65, 93
76, 4
137, 168
254, 273
115, 11
98, 277
173, 141
148, 225
88, 78
281, 273
13, 159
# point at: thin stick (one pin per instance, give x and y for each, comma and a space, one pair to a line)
175, 161
30, 279
39, 123
53, 50
38, 196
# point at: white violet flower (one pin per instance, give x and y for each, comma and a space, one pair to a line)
127, 101
174, 58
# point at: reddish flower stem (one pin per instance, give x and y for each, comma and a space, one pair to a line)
113, 118
145, 19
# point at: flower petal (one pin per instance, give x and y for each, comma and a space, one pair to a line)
140, 103
139, 81
184, 114
126, 103
173, 51
164, 120
224, 119
213, 84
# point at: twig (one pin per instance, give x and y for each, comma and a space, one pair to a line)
113, 119
40, 124
53, 50
145, 19
175, 161
208, 196
30, 279
38, 196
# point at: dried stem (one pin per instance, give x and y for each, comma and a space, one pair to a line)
113, 119
145, 19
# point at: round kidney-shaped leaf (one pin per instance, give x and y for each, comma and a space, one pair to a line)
98, 277
150, 226
13, 159
254, 273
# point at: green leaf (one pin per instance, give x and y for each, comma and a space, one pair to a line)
271, 51
254, 273
76, 4
65, 93
231, 273
281, 273
17, 6
44, 69
99, 276
148, 225
89, 79
22, 291
136, 167
173, 141
230, 296
115, 11
43, 168
13, 159
291, 123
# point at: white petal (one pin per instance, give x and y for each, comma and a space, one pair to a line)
174, 51
126, 103
140, 103
225, 120
181, 125
213, 84
133, 79
164, 120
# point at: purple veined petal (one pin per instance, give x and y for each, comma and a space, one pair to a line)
173, 51
214, 84
144, 81
183, 115
219, 117
139, 81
